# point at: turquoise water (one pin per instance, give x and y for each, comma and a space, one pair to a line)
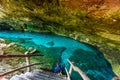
72, 50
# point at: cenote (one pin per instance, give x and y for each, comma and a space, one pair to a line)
60, 48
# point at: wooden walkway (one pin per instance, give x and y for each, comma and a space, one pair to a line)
38, 75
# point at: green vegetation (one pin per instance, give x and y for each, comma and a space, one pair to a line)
53, 16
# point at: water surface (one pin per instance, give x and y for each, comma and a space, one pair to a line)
96, 66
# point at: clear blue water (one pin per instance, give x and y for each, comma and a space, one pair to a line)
52, 40
44, 38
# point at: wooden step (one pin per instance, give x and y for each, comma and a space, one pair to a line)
38, 75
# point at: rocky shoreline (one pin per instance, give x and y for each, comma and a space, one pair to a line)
7, 64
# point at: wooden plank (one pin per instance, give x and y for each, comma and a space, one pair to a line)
14, 56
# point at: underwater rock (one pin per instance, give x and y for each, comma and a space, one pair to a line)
50, 43
93, 64
51, 56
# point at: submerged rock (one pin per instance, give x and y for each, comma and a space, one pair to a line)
50, 43
93, 64
52, 55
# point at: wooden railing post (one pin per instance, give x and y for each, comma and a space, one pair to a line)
68, 75
30, 51
27, 61
70, 71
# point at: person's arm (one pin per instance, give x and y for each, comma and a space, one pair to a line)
27, 61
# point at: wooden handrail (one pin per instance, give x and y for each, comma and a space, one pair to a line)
82, 74
26, 55
14, 56
70, 71
68, 75
9, 72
